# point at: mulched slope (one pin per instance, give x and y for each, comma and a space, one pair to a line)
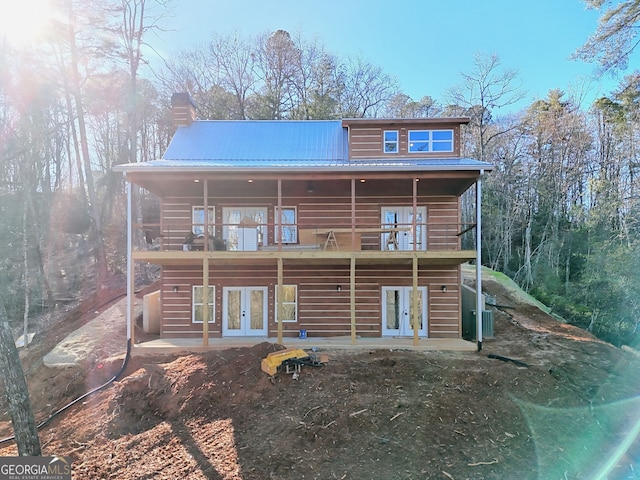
367, 414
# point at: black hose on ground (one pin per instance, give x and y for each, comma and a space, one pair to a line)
82, 397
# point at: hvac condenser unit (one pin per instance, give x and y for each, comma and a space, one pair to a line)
469, 327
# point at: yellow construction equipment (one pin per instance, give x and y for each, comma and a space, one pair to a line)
290, 360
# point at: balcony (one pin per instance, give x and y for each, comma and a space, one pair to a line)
435, 243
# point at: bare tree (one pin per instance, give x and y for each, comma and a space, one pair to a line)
234, 61
73, 58
278, 67
366, 89
402, 106
324, 93
504, 207
487, 89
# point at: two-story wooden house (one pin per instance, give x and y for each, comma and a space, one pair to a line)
333, 228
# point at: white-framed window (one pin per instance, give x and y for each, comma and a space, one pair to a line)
288, 220
197, 220
289, 303
198, 304
390, 141
430, 141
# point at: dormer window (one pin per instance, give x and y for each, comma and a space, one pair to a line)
390, 141
430, 141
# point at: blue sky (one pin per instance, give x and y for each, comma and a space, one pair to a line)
425, 44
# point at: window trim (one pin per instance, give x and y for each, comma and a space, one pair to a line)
294, 303
212, 220
386, 142
293, 226
430, 141
212, 304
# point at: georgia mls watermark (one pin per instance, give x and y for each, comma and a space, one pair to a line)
35, 468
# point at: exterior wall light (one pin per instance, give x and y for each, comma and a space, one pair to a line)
339, 288
443, 288
175, 289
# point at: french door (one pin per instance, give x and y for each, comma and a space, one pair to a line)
244, 228
244, 311
398, 232
398, 308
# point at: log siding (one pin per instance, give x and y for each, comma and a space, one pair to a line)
368, 142
443, 218
322, 310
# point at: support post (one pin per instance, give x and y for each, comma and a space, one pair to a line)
205, 300
279, 288
479, 260
279, 216
206, 214
352, 298
414, 222
280, 295
415, 320
415, 314
353, 214
130, 267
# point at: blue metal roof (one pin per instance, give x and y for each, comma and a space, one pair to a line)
283, 145
259, 140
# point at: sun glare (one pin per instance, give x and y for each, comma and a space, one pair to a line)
23, 21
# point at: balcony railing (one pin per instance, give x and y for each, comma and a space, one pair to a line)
266, 237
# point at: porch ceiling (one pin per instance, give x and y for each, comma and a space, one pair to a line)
184, 184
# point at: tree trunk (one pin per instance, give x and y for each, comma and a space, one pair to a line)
98, 240
38, 251
25, 260
15, 385
528, 274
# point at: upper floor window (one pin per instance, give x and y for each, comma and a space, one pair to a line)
430, 141
197, 218
390, 141
289, 225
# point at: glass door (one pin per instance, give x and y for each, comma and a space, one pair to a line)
244, 228
397, 227
397, 311
244, 311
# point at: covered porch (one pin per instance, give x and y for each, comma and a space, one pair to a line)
339, 218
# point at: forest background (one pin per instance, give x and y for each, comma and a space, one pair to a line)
561, 209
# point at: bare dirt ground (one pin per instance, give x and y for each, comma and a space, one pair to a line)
573, 412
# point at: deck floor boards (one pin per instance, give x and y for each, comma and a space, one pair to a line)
178, 345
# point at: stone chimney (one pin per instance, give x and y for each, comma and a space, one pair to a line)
183, 110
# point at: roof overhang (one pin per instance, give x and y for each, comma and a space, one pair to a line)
175, 178
276, 167
423, 122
